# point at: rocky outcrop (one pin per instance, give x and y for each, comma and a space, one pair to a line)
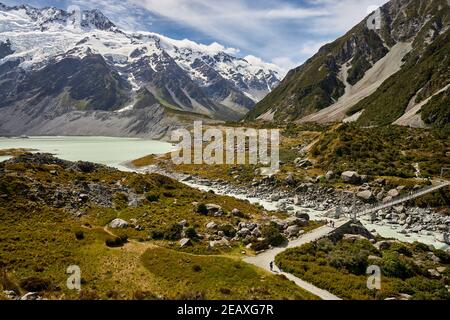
350, 228
118, 224
351, 177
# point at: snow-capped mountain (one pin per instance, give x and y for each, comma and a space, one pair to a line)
43, 51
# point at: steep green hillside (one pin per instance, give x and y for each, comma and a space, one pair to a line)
437, 111
316, 85
321, 80
423, 74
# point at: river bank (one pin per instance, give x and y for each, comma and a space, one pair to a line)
407, 224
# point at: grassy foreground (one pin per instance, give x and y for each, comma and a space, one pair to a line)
53, 215
408, 270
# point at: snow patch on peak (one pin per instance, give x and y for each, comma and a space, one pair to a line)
258, 62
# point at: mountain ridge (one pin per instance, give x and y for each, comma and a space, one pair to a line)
314, 91
114, 68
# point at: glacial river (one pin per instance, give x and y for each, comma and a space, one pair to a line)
387, 231
104, 150
114, 152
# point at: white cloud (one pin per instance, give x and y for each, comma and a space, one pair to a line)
285, 64
263, 64
343, 14
310, 48
276, 30
232, 21
281, 31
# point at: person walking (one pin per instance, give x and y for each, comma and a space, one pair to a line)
271, 265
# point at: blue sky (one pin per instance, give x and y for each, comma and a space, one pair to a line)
284, 32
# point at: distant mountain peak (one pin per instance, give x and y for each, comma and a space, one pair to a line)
54, 63
48, 17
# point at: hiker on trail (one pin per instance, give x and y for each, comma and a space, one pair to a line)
271, 265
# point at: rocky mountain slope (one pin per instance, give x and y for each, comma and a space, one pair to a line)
373, 75
59, 70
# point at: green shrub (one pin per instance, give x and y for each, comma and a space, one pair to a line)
260, 245
168, 194
401, 249
196, 268
228, 230
225, 291
152, 197
397, 266
34, 284
442, 255
157, 234
355, 262
191, 233
420, 247
114, 242
79, 235
201, 209
173, 233
120, 200
273, 235
424, 289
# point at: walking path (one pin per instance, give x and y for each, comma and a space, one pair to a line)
263, 260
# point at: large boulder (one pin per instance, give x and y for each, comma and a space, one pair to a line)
243, 233
443, 237
248, 225
302, 215
366, 196
185, 242
385, 244
294, 221
30, 296
214, 209
211, 225
380, 195
290, 180
393, 193
329, 175
292, 231
353, 237
351, 177
237, 213
118, 224
303, 163
219, 243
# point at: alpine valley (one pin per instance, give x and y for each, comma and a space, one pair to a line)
362, 191
75, 73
